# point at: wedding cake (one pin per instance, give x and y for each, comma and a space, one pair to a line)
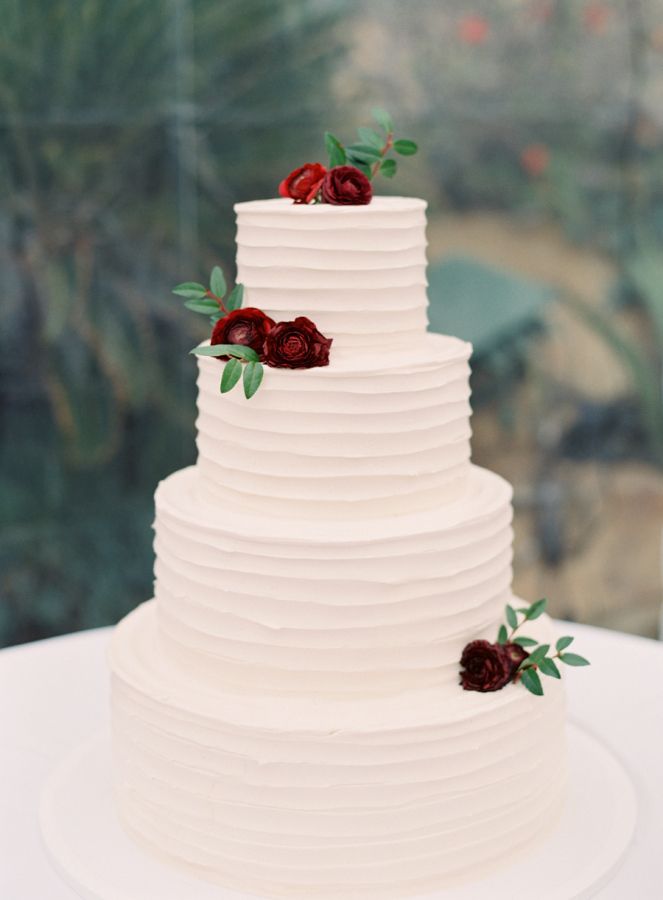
288, 718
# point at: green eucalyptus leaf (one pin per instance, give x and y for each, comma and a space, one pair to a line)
563, 643
502, 635
537, 654
548, 667
532, 682
383, 119
242, 352
536, 609
364, 152
388, 168
369, 136
237, 350
217, 282
232, 372
511, 616
207, 307
252, 377
573, 659
523, 641
191, 290
235, 298
335, 150
215, 318
363, 167
405, 148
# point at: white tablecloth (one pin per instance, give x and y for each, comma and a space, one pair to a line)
54, 693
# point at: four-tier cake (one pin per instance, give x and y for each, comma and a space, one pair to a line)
287, 714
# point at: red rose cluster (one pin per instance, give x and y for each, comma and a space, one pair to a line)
282, 345
489, 667
341, 185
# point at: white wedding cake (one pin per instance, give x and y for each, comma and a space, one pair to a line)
287, 714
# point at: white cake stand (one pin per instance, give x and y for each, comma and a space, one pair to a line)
91, 852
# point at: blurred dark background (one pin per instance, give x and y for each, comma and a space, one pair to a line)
129, 129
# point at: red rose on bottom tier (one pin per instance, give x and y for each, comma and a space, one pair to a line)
516, 654
485, 667
248, 327
296, 345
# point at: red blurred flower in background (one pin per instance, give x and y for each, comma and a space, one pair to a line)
535, 159
596, 16
541, 10
473, 29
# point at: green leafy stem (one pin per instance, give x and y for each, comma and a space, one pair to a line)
232, 371
243, 363
209, 301
539, 660
370, 153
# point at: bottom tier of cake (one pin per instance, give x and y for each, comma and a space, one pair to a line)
334, 799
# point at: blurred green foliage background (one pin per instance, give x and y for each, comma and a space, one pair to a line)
129, 129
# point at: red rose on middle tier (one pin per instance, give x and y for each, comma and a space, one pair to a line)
303, 183
296, 345
248, 327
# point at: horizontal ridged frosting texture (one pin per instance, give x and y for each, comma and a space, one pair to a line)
380, 435
359, 271
287, 718
366, 608
337, 800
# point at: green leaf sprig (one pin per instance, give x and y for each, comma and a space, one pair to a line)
370, 154
253, 371
540, 659
209, 301
244, 362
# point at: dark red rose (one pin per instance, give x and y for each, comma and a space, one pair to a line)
346, 186
516, 654
247, 327
485, 667
303, 184
296, 345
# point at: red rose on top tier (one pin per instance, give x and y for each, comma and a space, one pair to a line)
303, 184
346, 186
486, 667
296, 345
247, 327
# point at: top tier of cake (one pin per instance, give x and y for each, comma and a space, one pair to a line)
358, 271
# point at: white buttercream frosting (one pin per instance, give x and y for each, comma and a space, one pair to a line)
328, 799
287, 718
330, 607
364, 436
359, 272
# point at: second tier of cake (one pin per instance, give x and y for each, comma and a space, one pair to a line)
367, 436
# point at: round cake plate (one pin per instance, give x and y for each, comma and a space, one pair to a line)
91, 852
